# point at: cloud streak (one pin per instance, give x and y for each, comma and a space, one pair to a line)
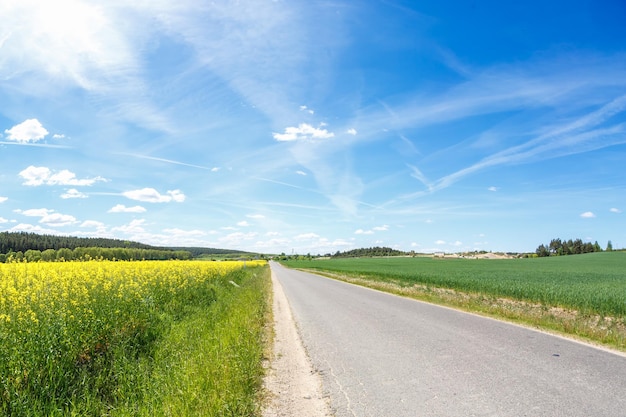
150, 195
36, 176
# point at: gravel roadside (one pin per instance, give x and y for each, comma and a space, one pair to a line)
294, 387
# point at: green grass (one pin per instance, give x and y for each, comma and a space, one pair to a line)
592, 283
582, 295
210, 364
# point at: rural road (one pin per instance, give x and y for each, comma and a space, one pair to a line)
381, 355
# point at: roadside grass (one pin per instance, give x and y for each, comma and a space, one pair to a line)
149, 338
210, 364
582, 296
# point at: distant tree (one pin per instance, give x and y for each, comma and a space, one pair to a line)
32, 255
542, 251
48, 255
596, 247
609, 246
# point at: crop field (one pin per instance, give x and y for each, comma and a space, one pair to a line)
593, 283
141, 338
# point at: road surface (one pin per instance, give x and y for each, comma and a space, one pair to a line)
383, 355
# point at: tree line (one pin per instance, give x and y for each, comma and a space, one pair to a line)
33, 247
86, 254
23, 241
374, 251
558, 247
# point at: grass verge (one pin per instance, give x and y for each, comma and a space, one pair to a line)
211, 363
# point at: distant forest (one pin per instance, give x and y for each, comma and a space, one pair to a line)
23, 241
197, 252
32, 247
375, 251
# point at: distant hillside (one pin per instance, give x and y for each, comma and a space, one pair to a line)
23, 241
368, 252
198, 252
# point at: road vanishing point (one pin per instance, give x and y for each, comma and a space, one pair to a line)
382, 355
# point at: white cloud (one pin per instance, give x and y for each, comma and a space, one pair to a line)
243, 223
150, 195
58, 136
3, 199
272, 244
351, 131
457, 243
440, 242
237, 238
255, 216
494, 189
306, 109
587, 215
92, 223
25, 227
28, 131
73, 193
36, 176
183, 233
35, 212
177, 196
307, 236
49, 217
382, 228
135, 226
303, 132
612, 210
304, 174
215, 169
121, 208
3, 220
58, 219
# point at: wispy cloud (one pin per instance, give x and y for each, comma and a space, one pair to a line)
169, 161
150, 195
587, 215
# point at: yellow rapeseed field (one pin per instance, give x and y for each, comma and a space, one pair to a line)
62, 321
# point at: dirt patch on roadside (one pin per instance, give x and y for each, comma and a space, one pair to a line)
293, 386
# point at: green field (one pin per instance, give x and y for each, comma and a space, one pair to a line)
590, 284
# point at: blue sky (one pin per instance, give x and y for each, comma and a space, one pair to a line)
315, 126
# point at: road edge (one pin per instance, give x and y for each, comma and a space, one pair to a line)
293, 385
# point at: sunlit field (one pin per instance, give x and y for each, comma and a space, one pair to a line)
131, 338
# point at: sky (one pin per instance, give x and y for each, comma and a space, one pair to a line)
309, 126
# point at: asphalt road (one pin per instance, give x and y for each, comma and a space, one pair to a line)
382, 355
